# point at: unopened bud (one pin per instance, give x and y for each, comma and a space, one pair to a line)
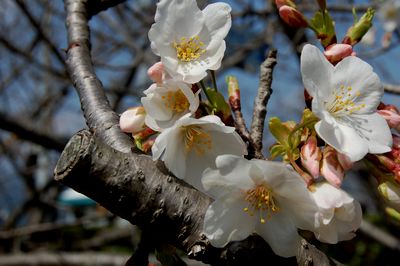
344, 161
292, 17
311, 156
391, 193
280, 3
360, 28
337, 51
331, 169
132, 120
233, 93
391, 115
155, 72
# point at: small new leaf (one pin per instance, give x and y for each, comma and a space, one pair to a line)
324, 27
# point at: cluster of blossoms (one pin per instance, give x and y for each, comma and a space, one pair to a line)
196, 141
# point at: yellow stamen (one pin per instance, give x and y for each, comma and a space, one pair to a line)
190, 49
176, 101
196, 139
261, 200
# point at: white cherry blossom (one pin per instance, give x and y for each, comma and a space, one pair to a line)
189, 40
259, 196
345, 98
339, 215
166, 102
191, 145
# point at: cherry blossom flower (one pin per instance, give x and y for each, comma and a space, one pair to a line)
189, 40
166, 102
191, 145
257, 196
345, 98
339, 215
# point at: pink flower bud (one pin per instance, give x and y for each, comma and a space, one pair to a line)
344, 161
280, 3
331, 169
155, 72
292, 17
396, 142
311, 156
391, 116
337, 51
132, 120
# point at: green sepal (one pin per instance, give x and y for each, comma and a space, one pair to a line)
279, 130
324, 27
277, 150
217, 102
360, 27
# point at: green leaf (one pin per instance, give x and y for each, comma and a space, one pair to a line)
279, 130
324, 27
218, 103
277, 150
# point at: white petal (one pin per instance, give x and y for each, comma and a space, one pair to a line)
218, 19
154, 105
281, 234
316, 71
343, 138
376, 131
226, 221
357, 74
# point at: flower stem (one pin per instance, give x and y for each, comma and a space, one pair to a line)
214, 80
203, 87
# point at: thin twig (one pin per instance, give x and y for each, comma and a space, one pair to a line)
260, 103
390, 88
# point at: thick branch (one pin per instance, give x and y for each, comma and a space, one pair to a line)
260, 103
137, 189
99, 116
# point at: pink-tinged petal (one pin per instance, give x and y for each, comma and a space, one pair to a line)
155, 72
337, 51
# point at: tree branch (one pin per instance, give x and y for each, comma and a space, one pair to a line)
135, 188
260, 103
99, 116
